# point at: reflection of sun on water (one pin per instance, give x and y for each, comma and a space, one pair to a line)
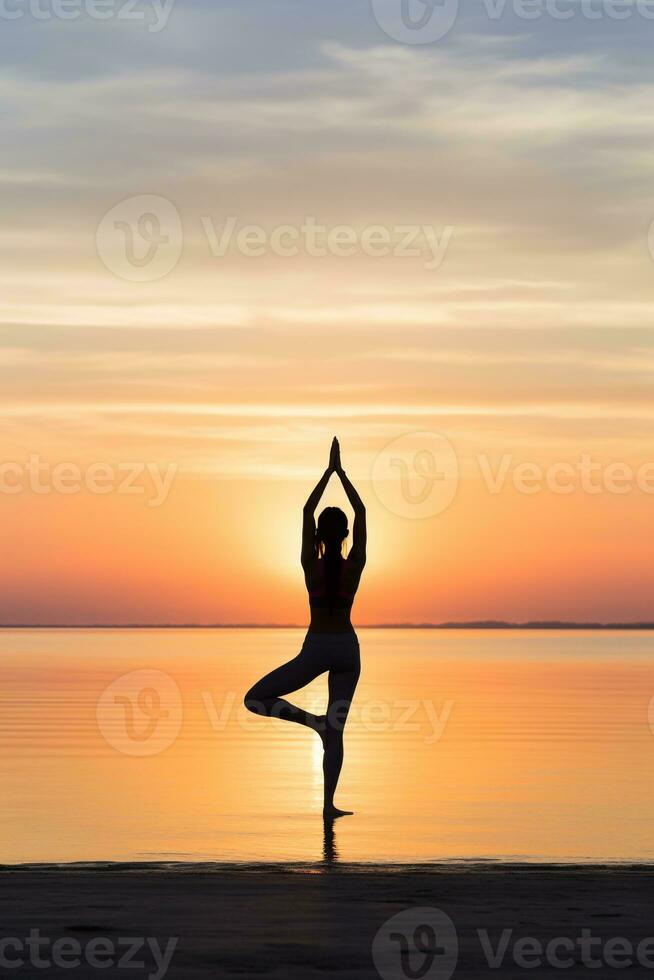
542, 756
316, 771
314, 699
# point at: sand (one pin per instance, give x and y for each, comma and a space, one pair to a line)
305, 921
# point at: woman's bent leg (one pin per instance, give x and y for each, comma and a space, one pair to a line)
265, 697
342, 685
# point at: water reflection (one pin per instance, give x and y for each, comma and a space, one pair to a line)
329, 848
459, 744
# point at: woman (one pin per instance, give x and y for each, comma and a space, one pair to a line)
331, 643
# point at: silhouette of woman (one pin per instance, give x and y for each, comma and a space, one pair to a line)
331, 643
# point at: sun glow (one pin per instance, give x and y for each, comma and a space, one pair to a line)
238, 370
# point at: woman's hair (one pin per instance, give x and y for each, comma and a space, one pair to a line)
331, 532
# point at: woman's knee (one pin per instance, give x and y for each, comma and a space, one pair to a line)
253, 701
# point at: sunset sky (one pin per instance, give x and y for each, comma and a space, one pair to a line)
530, 140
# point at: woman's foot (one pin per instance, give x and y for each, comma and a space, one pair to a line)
332, 813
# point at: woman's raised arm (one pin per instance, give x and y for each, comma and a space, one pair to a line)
308, 520
359, 533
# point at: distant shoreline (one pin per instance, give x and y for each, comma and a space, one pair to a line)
472, 625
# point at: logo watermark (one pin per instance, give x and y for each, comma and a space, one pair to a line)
142, 239
424, 943
428, 21
416, 21
564, 952
42, 477
317, 240
140, 713
154, 13
99, 953
417, 944
417, 475
564, 477
420, 717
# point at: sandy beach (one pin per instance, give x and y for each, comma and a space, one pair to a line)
317, 921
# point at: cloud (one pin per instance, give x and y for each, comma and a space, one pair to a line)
531, 143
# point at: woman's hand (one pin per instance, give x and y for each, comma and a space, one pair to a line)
335, 457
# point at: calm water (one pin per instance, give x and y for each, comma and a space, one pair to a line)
133, 744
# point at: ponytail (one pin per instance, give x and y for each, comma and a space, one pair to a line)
332, 530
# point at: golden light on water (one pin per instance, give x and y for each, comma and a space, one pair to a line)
459, 744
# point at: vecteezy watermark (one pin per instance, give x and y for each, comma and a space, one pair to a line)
590, 951
141, 239
416, 475
99, 953
418, 717
564, 952
39, 476
417, 943
424, 943
427, 21
140, 713
585, 474
154, 13
317, 240
416, 21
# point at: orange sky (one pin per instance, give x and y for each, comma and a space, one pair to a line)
227, 550
526, 340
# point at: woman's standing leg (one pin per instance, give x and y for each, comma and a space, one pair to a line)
342, 685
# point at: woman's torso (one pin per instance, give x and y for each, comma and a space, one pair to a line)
331, 613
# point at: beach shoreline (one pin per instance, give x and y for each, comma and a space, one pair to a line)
318, 920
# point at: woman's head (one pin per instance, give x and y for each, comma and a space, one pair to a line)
332, 529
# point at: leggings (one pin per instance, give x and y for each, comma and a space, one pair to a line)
335, 653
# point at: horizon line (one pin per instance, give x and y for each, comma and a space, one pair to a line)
448, 625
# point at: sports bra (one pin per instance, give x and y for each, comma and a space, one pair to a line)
318, 598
